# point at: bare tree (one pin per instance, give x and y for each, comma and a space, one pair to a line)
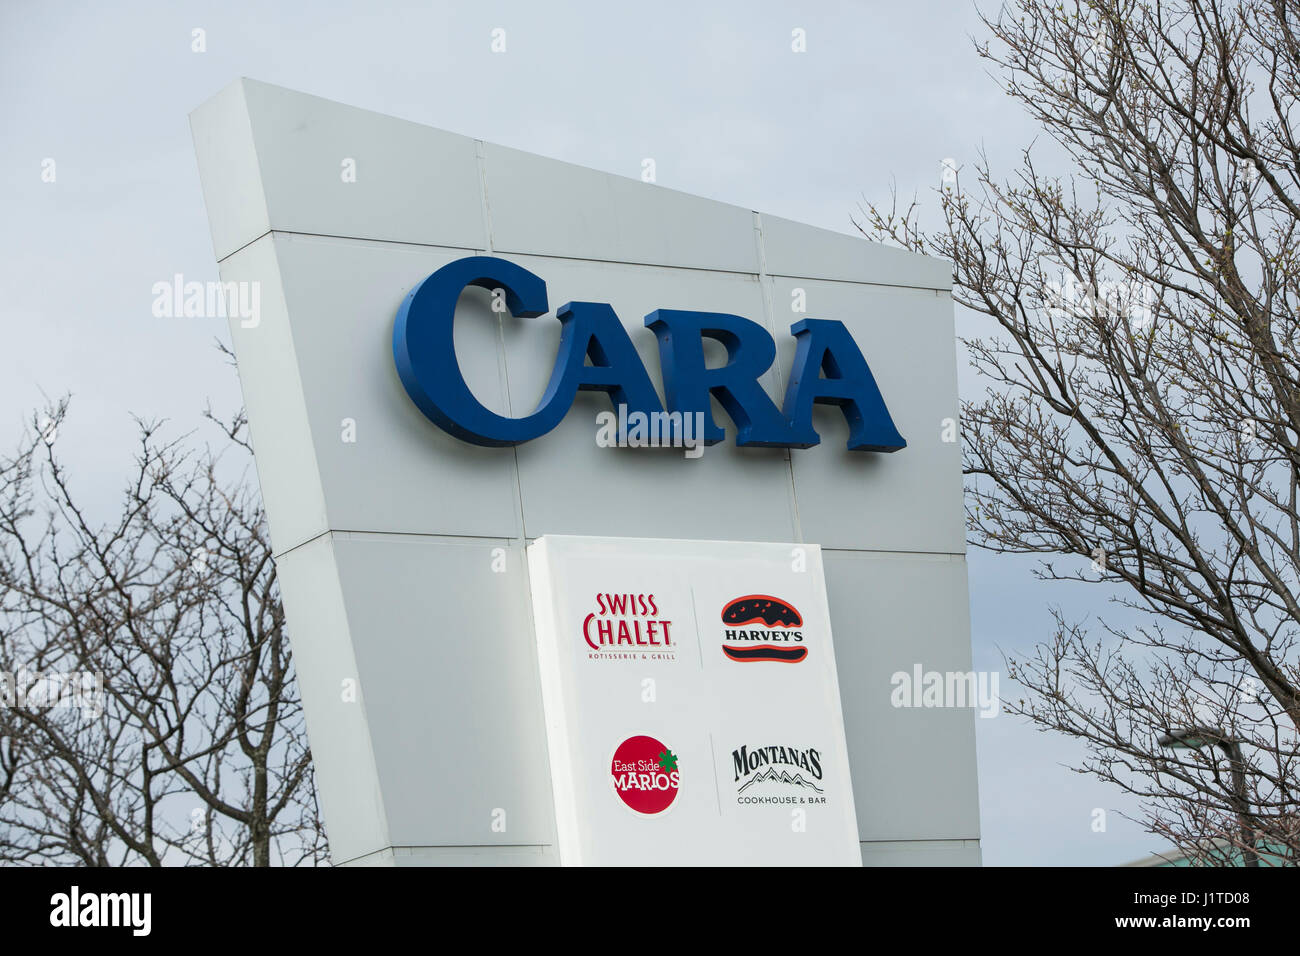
1143, 404
151, 712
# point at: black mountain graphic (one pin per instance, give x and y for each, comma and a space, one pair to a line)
782, 776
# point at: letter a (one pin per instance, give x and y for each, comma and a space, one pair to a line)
825, 345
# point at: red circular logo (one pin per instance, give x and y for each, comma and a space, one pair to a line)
645, 774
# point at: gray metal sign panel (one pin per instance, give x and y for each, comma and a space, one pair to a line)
401, 548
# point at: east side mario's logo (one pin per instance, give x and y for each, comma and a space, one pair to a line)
759, 627
645, 774
628, 627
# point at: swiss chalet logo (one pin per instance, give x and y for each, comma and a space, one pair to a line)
759, 627
628, 627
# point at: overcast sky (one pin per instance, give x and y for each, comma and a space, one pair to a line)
712, 92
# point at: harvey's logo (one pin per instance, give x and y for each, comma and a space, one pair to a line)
628, 627
762, 628
766, 775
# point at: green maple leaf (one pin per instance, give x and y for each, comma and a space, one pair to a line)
668, 760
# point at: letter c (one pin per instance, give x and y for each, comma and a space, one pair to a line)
425, 353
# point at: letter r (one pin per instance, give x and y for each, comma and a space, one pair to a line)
688, 382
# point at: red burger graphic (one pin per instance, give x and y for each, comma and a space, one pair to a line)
762, 628
645, 774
